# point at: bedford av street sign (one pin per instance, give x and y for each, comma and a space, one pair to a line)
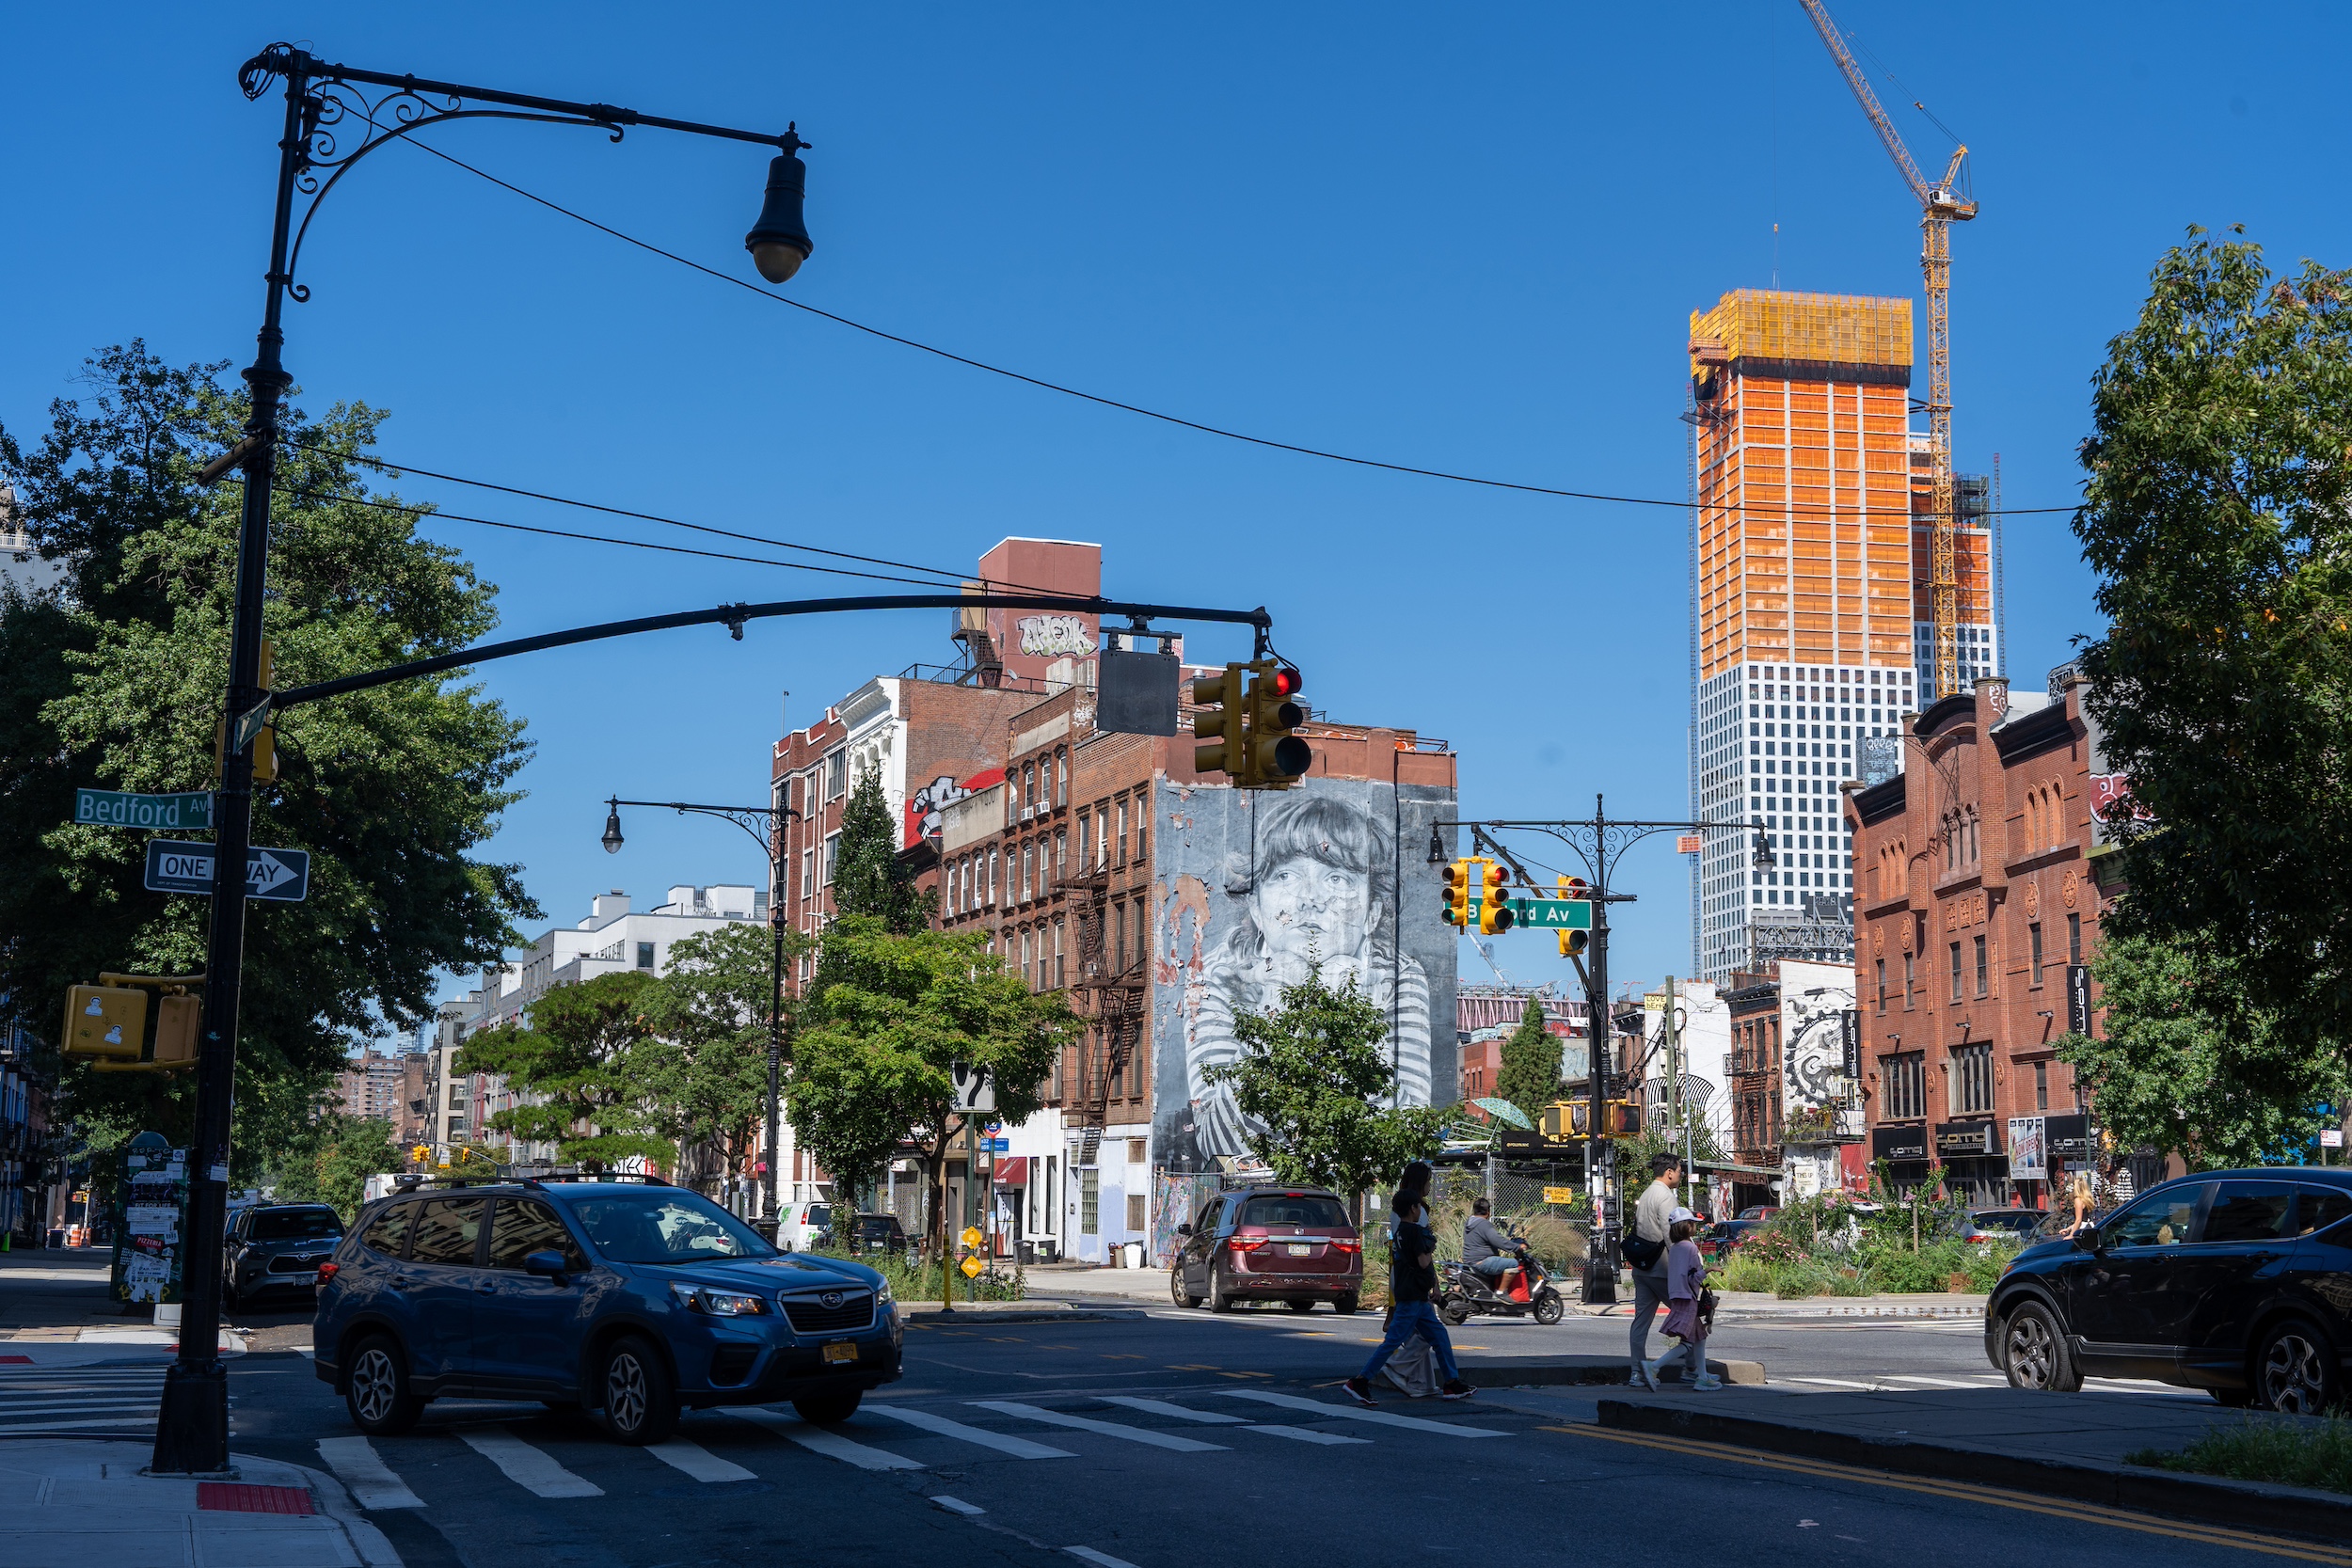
114, 808
181, 866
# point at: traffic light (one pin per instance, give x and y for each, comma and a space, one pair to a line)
105, 1022
1562, 1120
1223, 720
1622, 1118
1457, 879
108, 1023
264, 744
1572, 944
1494, 911
1276, 757
418, 1154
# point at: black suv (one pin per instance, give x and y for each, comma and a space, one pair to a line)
2238, 1282
277, 1247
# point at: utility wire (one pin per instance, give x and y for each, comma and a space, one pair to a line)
1096, 398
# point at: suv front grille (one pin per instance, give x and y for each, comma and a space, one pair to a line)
810, 1315
284, 1263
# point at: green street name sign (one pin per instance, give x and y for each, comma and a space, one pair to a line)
1573, 914
112, 808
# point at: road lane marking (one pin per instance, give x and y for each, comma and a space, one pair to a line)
61, 1426
1305, 1435
525, 1465
1827, 1383
1351, 1413
697, 1461
956, 1505
1943, 1382
1108, 1429
1964, 1492
818, 1440
1101, 1560
1003, 1442
1161, 1407
358, 1467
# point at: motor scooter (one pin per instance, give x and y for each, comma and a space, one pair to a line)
1524, 1290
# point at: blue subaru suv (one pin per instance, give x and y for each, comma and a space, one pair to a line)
628, 1297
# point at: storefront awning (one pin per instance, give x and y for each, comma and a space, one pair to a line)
1013, 1170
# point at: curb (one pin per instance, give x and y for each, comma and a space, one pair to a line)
1597, 1370
2207, 1499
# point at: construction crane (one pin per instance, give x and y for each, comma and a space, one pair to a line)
1940, 205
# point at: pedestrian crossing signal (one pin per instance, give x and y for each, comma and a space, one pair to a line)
108, 1023
1494, 907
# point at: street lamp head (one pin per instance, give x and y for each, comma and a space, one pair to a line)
779, 242
1763, 851
1437, 846
612, 840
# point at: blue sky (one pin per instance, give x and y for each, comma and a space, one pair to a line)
1465, 242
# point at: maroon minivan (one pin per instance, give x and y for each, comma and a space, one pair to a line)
1290, 1245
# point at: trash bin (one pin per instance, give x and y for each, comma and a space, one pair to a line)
1131, 1254
1026, 1251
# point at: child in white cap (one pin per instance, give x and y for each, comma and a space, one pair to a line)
1686, 1293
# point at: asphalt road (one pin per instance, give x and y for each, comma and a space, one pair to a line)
1171, 1438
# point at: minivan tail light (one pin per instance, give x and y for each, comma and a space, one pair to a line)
1346, 1246
1246, 1244
326, 1273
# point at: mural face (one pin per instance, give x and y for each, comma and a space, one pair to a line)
1814, 999
1255, 891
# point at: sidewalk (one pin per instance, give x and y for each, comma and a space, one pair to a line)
1092, 1282
68, 1505
2069, 1446
55, 1311
1737, 1304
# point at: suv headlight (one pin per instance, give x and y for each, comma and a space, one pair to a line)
881, 1293
717, 1304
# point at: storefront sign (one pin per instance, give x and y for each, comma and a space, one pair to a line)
1967, 1140
1899, 1143
1854, 1043
2066, 1140
2027, 1148
2078, 998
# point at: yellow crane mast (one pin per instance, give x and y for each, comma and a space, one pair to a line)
1940, 206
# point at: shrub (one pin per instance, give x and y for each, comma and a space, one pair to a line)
2289, 1453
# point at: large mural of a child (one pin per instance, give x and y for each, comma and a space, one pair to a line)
1314, 894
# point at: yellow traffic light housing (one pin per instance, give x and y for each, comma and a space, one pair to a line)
1277, 758
1494, 908
264, 743
1222, 722
108, 1023
1562, 1120
1456, 880
1623, 1119
1572, 944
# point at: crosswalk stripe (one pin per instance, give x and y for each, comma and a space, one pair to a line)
831, 1444
1100, 1559
1304, 1434
1935, 1382
1380, 1418
697, 1461
1003, 1442
1827, 1383
358, 1467
60, 1426
956, 1505
90, 1407
1162, 1407
525, 1465
1108, 1428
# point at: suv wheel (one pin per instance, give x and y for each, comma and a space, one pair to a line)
639, 1403
1176, 1287
827, 1410
376, 1389
2295, 1370
2033, 1353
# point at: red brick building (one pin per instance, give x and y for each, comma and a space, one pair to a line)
1977, 909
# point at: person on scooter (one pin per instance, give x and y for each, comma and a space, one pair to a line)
1486, 1250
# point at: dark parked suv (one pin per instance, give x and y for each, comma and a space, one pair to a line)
277, 1247
2238, 1282
1291, 1244
632, 1298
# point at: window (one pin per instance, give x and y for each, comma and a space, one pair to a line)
1120, 857
1118, 955
1061, 778
1137, 1220
836, 775
1905, 1086
1061, 977
1085, 820
1102, 836
2249, 1212
1882, 963
2073, 939
2041, 1085
1972, 1079
1909, 981
2033, 938
1089, 1201
1061, 852
833, 856
2161, 1219
1141, 813
1955, 972
808, 873
1984, 975
517, 1229
988, 887
1026, 956
2320, 1208
447, 1231
644, 955
389, 1235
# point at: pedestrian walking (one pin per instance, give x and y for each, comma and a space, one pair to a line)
1689, 1305
1412, 1282
1646, 1256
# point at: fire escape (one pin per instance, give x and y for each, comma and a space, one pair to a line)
1115, 991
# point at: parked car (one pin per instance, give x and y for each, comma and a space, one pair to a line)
1718, 1241
880, 1233
276, 1249
631, 1299
1291, 1244
801, 1227
2026, 1225
2237, 1282
1760, 1211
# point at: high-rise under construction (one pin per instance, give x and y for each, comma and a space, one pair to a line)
1810, 495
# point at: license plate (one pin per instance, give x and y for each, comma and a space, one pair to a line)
1300, 1249
841, 1352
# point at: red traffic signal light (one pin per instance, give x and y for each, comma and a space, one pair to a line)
1494, 908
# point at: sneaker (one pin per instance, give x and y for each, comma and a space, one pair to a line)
1359, 1389
1649, 1372
1456, 1389
1706, 1382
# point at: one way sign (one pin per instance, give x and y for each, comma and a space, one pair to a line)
179, 866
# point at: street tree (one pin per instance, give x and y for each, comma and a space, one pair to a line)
870, 1067
115, 680
331, 1159
705, 1064
579, 1064
869, 875
2216, 517
1528, 1074
1309, 1083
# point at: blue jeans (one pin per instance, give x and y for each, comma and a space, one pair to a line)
1406, 1318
